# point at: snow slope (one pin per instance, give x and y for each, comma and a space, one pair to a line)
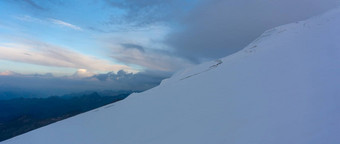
284, 88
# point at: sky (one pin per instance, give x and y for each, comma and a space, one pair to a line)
62, 37
81, 39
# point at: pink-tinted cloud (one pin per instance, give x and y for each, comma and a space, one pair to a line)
39, 53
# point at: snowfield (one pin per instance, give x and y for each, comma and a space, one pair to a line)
284, 88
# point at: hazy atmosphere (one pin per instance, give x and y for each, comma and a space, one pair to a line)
75, 43
169, 71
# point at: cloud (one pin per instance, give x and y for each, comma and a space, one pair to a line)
82, 73
133, 46
142, 49
204, 30
146, 12
152, 60
8, 73
28, 18
218, 28
39, 5
34, 52
169, 35
47, 85
48, 21
33, 4
139, 81
65, 24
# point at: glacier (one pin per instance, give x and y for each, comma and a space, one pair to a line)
283, 88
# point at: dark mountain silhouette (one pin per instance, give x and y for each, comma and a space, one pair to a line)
21, 115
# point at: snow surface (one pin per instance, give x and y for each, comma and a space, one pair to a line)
284, 88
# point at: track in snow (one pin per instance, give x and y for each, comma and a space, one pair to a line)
218, 62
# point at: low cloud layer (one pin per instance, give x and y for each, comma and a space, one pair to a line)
12, 84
